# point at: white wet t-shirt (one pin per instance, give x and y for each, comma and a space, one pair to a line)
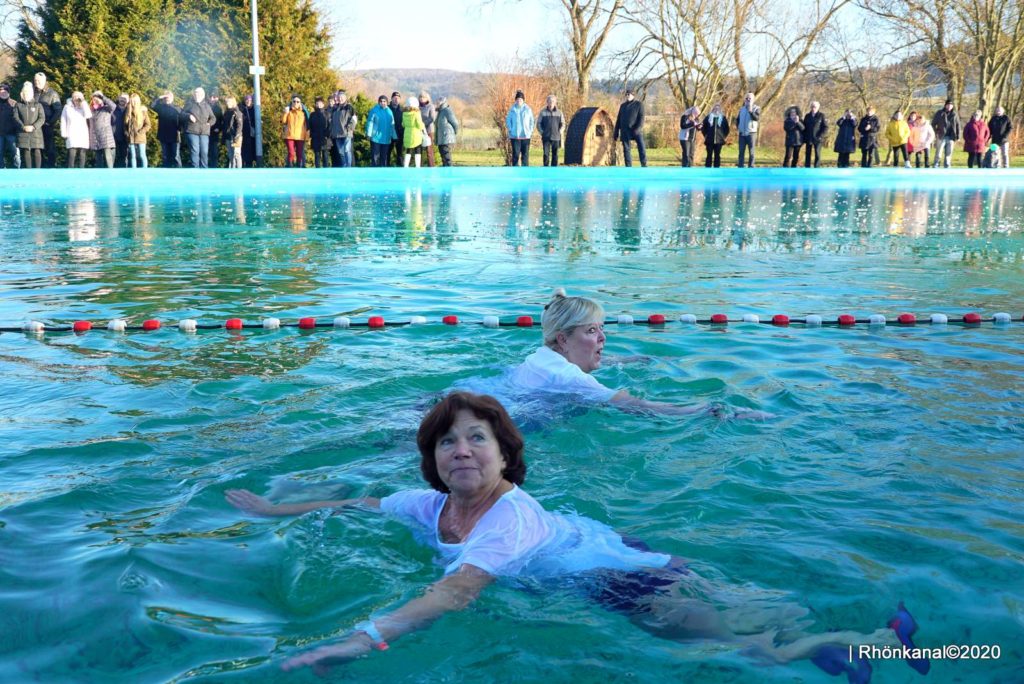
518, 538
545, 370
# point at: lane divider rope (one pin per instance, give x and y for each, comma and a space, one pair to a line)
190, 325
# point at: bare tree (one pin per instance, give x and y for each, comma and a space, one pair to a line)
884, 70
553, 64
933, 26
696, 46
590, 23
787, 33
994, 29
12, 14
685, 43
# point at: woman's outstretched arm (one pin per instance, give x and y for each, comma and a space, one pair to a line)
246, 501
627, 401
454, 592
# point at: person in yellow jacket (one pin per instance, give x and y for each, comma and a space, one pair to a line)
412, 131
296, 130
898, 134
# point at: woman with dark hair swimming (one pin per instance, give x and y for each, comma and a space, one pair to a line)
485, 527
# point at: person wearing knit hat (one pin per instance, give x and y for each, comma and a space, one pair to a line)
446, 126
520, 124
629, 126
8, 130
551, 123
429, 114
946, 123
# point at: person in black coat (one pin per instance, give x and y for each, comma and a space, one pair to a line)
216, 131
999, 126
29, 117
8, 131
846, 138
815, 129
232, 130
868, 129
715, 129
248, 111
168, 129
320, 134
629, 125
946, 123
396, 111
120, 135
794, 128
52, 109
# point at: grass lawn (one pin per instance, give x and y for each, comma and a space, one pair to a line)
669, 156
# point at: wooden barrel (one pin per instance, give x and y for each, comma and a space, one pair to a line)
588, 140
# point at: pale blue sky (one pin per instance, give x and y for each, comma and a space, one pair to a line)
447, 34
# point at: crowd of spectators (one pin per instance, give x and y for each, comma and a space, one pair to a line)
404, 132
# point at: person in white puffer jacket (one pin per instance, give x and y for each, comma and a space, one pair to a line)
74, 128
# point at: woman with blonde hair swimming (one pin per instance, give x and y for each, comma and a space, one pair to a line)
573, 348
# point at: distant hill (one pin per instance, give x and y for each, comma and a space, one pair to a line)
438, 82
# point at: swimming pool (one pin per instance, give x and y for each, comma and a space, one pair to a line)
892, 469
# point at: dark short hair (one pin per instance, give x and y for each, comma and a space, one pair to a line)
440, 420
396, 93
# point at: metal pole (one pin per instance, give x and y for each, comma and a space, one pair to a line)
256, 71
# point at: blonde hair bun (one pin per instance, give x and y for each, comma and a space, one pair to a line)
559, 292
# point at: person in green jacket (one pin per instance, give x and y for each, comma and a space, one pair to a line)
412, 131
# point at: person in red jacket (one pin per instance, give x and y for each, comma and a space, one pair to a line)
976, 139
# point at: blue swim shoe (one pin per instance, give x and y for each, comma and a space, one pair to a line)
835, 660
904, 625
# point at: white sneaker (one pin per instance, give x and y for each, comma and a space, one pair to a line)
906, 165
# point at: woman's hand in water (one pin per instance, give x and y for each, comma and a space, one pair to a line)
321, 659
725, 412
245, 500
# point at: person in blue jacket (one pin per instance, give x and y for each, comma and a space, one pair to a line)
380, 129
520, 124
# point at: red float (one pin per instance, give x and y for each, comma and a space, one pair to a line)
780, 319
307, 323
151, 324
907, 319
375, 321
972, 318
656, 319
525, 321
719, 318
82, 326
450, 320
847, 319
233, 324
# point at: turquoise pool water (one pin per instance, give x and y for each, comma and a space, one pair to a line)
892, 470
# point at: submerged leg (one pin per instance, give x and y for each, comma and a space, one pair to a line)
764, 646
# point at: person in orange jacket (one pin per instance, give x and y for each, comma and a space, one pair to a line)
296, 131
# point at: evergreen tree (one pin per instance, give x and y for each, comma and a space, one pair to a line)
295, 48
148, 46
90, 45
